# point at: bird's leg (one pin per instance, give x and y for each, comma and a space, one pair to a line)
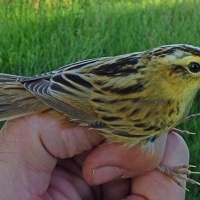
178, 172
188, 118
182, 131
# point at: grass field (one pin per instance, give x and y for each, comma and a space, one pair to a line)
40, 35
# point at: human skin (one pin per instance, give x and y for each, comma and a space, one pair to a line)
43, 160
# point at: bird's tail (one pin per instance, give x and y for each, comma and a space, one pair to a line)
15, 100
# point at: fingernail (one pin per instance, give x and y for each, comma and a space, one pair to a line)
105, 174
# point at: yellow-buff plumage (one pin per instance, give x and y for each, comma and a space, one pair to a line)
132, 98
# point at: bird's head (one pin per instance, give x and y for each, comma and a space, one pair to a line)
176, 68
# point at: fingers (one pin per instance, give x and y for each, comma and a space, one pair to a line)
29, 148
109, 163
116, 189
155, 185
21, 153
113, 161
61, 138
66, 185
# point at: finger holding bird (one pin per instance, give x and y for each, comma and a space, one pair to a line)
132, 98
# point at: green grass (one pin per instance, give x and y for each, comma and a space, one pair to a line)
40, 35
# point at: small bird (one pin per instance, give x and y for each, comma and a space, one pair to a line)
132, 98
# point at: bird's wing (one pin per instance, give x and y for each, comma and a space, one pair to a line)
95, 93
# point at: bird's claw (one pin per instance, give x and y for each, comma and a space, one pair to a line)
178, 172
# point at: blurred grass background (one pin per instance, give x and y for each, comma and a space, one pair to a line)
41, 35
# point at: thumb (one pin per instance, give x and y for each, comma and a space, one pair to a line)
112, 161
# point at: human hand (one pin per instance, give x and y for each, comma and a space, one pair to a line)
42, 159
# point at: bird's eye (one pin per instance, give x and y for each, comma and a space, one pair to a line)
194, 67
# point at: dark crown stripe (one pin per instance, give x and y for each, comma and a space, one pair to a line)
167, 50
